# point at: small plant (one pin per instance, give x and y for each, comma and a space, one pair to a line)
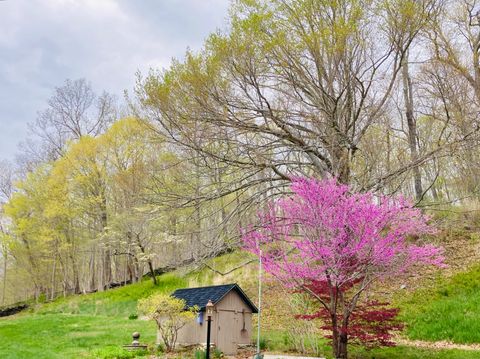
160, 349
443, 292
475, 236
263, 343
170, 315
133, 316
201, 354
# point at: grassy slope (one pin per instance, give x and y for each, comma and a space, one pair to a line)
78, 326
94, 325
450, 311
66, 336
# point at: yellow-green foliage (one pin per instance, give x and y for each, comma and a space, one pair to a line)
171, 314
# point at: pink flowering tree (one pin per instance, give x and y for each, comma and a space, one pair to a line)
333, 244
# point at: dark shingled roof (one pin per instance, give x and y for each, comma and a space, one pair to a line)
201, 296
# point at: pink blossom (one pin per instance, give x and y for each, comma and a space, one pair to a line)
326, 232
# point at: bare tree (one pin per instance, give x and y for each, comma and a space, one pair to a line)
73, 111
6, 180
6, 190
412, 125
293, 89
451, 90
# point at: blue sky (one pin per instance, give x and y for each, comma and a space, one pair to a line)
44, 42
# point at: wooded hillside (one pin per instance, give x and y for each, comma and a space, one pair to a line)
384, 95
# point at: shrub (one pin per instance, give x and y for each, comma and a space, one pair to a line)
170, 314
263, 343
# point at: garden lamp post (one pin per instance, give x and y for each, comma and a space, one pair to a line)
209, 310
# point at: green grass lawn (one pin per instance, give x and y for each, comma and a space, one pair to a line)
450, 311
51, 336
97, 325
85, 326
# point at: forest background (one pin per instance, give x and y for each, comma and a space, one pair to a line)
384, 95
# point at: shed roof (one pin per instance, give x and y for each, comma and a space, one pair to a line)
201, 295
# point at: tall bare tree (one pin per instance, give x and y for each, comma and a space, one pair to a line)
293, 89
73, 111
412, 125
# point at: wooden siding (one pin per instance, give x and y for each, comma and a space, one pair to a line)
231, 325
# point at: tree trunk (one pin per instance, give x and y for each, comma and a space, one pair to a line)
149, 261
340, 350
93, 282
102, 284
71, 253
125, 269
339, 330
335, 335
76, 279
54, 277
5, 257
137, 275
63, 270
106, 253
412, 126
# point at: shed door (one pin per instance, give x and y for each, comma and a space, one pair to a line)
227, 332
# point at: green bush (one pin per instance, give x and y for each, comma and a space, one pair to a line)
160, 349
42, 298
263, 343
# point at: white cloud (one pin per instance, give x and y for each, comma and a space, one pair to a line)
43, 42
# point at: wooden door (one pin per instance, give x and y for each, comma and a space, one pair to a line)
227, 332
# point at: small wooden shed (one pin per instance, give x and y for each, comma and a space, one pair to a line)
231, 321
